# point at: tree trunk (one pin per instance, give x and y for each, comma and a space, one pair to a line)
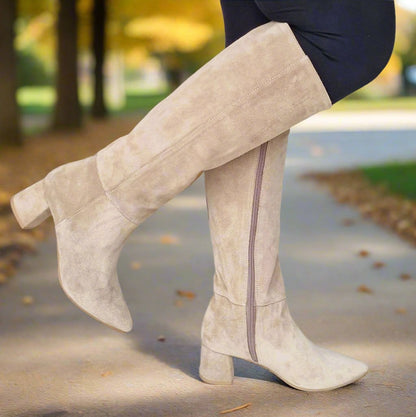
99, 108
67, 108
9, 111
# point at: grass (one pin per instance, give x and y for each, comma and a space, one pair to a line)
39, 100
394, 103
398, 177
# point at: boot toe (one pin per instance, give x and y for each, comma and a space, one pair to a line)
340, 370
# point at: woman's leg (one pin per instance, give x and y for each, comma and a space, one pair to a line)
240, 16
253, 90
248, 316
348, 42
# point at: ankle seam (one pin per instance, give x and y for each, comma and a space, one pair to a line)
108, 195
244, 304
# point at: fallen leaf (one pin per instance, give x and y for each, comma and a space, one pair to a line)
26, 241
106, 373
401, 310
38, 234
27, 300
405, 277
178, 303
187, 294
135, 265
4, 226
9, 269
4, 198
364, 289
3, 278
240, 407
348, 222
378, 265
14, 257
161, 338
363, 253
169, 240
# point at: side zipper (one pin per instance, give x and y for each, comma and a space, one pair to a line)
251, 282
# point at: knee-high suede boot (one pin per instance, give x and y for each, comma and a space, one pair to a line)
256, 88
248, 316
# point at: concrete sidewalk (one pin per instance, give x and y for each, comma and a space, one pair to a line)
368, 120
57, 361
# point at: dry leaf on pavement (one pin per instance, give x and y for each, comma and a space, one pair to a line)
186, 294
178, 303
405, 276
169, 240
27, 300
348, 222
364, 289
135, 265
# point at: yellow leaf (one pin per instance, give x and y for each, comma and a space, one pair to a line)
169, 240
135, 265
364, 289
27, 300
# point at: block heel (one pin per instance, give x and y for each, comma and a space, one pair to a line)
216, 368
30, 207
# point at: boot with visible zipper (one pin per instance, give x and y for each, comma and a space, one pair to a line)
248, 316
259, 86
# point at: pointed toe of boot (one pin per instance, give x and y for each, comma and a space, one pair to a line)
339, 370
88, 246
351, 370
105, 304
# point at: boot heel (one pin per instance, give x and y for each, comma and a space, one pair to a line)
216, 368
30, 207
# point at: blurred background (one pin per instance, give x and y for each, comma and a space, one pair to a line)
65, 59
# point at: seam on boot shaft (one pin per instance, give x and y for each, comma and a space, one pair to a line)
243, 305
179, 145
215, 118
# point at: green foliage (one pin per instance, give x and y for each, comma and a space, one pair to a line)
397, 177
30, 70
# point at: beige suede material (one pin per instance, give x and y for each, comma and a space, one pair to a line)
216, 368
280, 345
231, 100
89, 244
71, 187
31, 207
286, 351
252, 91
224, 327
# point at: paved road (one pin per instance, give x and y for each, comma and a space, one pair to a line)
56, 361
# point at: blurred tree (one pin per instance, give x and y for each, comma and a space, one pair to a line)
99, 109
9, 114
67, 108
31, 70
174, 31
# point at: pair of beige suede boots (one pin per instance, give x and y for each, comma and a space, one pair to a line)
230, 120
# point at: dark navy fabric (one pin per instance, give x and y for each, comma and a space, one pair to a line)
348, 41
